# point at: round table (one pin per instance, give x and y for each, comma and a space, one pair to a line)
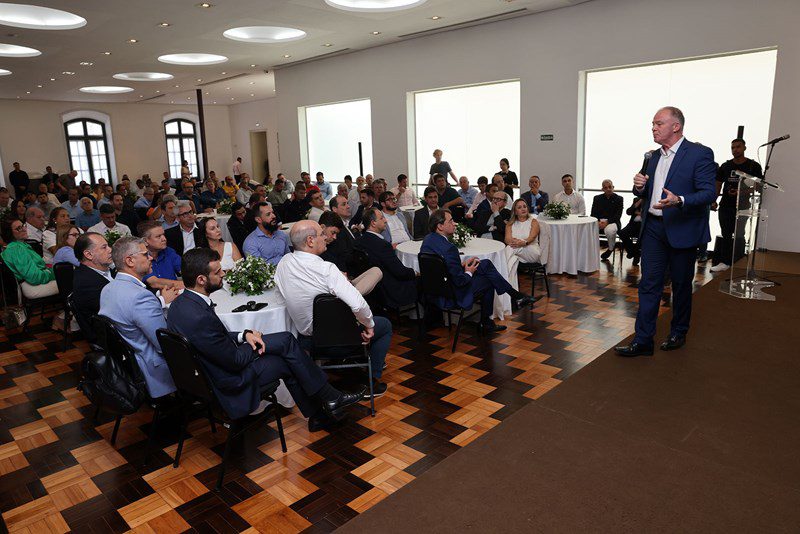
222, 220
274, 318
408, 213
574, 244
481, 248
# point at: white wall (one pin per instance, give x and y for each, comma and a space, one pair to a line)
33, 133
243, 120
546, 52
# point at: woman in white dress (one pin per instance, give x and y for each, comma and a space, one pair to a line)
522, 240
212, 233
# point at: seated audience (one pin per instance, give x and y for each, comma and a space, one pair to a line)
108, 222
577, 206
89, 279
379, 187
89, 215
395, 229
166, 264
65, 243
212, 238
302, 275
108, 191
295, 209
144, 202
239, 364
35, 224
306, 179
607, 208
230, 188
44, 204
186, 235
340, 206
243, 191
342, 247
237, 225
480, 196
521, 238
354, 196
422, 215
58, 219
342, 189
125, 213
492, 224
472, 279
35, 279
632, 230
367, 201
448, 198
17, 211
332, 227
317, 204
72, 204
47, 189
188, 193
398, 286
498, 180
165, 188
278, 196
324, 187
169, 216
211, 196
406, 196
466, 192
535, 197
137, 312
267, 241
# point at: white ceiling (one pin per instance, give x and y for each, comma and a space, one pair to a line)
112, 22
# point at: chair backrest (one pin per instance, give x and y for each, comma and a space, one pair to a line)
435, 278
544, 242
358, 263
184, 364
12, 294
64, 274
84, 323
36, 246
334, 324
110, 339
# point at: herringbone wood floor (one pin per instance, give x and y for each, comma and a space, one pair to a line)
58, 472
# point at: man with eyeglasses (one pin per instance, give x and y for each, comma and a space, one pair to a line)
492, 224
396, 231
186, 235
137, 312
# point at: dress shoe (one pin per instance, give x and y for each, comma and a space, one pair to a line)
345, 399
636, 261
526, 300
490, 327
673, 342
633, 350
323, 421
605, 255
378, 389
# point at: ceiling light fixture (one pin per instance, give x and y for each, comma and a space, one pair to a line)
327, 45
4, 72
157, 91
86, 63
227, 88
376, 33
177, 86
233, 98
199, 79
133, 41
38, 18
214, 102
223, 72
287, 56
205, 5
52, 79
374, 5
252, 83
106, 89
68, 73
192, 58
39, 86
251, 94
27, 92
106, 53
253, 66
165, 24
435, 17
9, 50
263, 34
143, 76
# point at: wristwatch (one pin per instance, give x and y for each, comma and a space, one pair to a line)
680, 202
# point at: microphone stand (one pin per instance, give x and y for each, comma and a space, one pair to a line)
776, 186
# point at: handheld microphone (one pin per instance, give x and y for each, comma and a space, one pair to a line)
646, 162
776, 140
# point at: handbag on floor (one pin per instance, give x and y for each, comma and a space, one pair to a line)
106, 384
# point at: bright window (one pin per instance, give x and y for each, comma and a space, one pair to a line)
181, 146
88, 149
332, 136
474, 126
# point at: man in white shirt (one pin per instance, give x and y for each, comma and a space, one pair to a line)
237, 169
108, 222
35, 223
317, 203
575, 201
302, 275
244, 192
405, 195
396, 230
354, 196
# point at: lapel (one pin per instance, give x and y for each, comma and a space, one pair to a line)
675, 164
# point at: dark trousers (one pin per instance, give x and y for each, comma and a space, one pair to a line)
631, 230
485, 282
657, 257
727, 225
284, 359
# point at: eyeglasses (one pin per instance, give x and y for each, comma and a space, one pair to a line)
73, 234
498, 200
184, 213
145, 253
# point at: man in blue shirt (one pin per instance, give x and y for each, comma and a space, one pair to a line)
146, 200
187, 193
166, 262
324, 187
466, 192
211, 196
72, 204
266, 241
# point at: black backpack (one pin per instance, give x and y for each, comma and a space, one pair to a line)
106, 384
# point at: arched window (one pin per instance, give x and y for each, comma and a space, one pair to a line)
181, 146
87, 145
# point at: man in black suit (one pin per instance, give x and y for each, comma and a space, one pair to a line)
125, 215
367, 198
239, 364
607, 208
295, 209
342, 248
236, 225
399, 283
421, 216
186, 235
536, 198
89, 279
493, 223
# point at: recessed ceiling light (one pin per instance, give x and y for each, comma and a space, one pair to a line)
157, 91
227, 88
106, 53
214, 102
223, 72
165, 24
86, 63
4, 72
9, 50
141, 96
27, 92
252, 83
207, 92
205, 5
233, 98
39, 86
143, 76
68, 73
376, 33
188, 98
374, 5
264, 34
287, 56
435, 17
252, 65
327, 44
171, 101
192, 58
106, 89
177, 86
132, 41
258, 124
38, 18
199, 79
51, 79
252, 94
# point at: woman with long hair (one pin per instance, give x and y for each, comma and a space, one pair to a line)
522, 239
59, 218
65, 243
212, 238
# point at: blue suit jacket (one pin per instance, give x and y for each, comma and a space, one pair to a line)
541, 202
137, 314
435, 243
227, 362
691, 176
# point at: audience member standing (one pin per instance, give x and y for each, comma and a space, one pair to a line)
19, 180
440, 167
509, 178
575, 201
237, 169
607, 208
266, 241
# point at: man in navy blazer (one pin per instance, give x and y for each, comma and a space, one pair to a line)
536, 198
676, 190
472, 279
239, 364
137, 312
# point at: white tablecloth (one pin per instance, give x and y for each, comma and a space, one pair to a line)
480, 248
222, 220
274, 318
574, 245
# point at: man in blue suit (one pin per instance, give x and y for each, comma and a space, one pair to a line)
674, 224
536, 198
472, 279
239, 364
137, 312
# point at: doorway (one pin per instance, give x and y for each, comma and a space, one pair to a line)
259, 155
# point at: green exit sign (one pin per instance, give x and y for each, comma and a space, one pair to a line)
546, 137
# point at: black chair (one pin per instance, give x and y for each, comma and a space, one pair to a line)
358, 263
337, 339
64, 272
28, 303
194, 388
436, 283
536, 270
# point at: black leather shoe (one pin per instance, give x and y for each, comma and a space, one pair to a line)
673, 342
525, 301
636, 261
346, 399
490, 327
323, 421
633, 350
378, 389
605, 255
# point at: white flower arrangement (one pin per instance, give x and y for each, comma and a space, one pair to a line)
251, 275
557, 210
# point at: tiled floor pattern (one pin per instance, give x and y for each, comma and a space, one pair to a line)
59, 473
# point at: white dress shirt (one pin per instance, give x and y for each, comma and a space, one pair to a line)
577, 205
188, 239
301, 276
406, 198
660, 178
104, 274
315, 213
34, 234
397, 228
120, 228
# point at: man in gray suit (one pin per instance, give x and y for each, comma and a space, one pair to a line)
137, 312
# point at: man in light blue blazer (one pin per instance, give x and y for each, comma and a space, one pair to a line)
137, 312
